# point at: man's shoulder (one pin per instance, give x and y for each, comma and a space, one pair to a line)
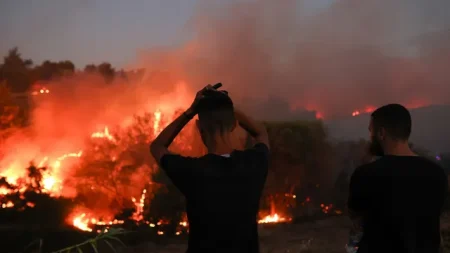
178, 156
432, 167
367, 168
258, 148
259, 151
176, 160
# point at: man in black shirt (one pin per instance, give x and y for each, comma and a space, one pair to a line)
399, 197
222, 188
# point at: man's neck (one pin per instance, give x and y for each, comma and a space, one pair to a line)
222, 146
220, 150
399, 149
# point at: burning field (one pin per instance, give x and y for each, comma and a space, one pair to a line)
113, 171
87, 166
74, 144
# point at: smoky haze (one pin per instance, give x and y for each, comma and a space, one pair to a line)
347, 56
275, 58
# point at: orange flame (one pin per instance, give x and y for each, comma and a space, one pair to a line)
104, 135
273, 218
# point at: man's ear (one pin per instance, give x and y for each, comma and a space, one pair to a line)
381, 133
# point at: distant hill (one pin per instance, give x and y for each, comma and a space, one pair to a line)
431, 128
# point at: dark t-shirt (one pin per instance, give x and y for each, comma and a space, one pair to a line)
400, 199
222, 197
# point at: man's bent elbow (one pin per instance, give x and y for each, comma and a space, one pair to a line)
158, 151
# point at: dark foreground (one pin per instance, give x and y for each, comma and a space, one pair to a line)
327, 235
321, 236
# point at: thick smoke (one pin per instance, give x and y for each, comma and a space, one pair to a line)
276, 58
343, 57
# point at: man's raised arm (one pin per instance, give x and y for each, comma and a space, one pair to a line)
255, 129
160, 146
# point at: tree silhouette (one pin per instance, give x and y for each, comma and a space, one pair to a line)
49, 70
10, 117
107, 71
16, 71
90, 68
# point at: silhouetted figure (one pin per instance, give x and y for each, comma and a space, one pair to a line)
397, 199
222, 188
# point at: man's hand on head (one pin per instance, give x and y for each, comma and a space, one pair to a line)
201, 94
159, 147
193, 109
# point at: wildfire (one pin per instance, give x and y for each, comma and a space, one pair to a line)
367, 109
274, 218
138, 215
53, 180
42, 90
104, 135
83, 222
156, 124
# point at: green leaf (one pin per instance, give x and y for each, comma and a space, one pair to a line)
79, 249
94, 246
118, 240
110, 245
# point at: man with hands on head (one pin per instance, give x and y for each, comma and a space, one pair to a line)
222, 188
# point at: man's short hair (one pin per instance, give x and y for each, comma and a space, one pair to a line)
216, 113
395, 119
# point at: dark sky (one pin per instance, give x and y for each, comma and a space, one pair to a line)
91, 31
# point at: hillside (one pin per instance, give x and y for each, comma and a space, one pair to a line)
431, 127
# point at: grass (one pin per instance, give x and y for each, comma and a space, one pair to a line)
107, 238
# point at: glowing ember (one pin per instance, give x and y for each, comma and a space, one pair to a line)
319, 115
355, 113
138, 215
273, 218
8, 204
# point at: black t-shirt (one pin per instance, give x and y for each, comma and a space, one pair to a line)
400, 199
222, 197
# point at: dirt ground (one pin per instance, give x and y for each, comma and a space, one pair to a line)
328, 236
323, 236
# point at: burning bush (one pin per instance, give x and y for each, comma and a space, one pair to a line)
28, 204
115, 168
301, 159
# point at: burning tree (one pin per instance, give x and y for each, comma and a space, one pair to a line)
116, 168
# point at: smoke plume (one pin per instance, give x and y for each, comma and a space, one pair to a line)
347, 56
